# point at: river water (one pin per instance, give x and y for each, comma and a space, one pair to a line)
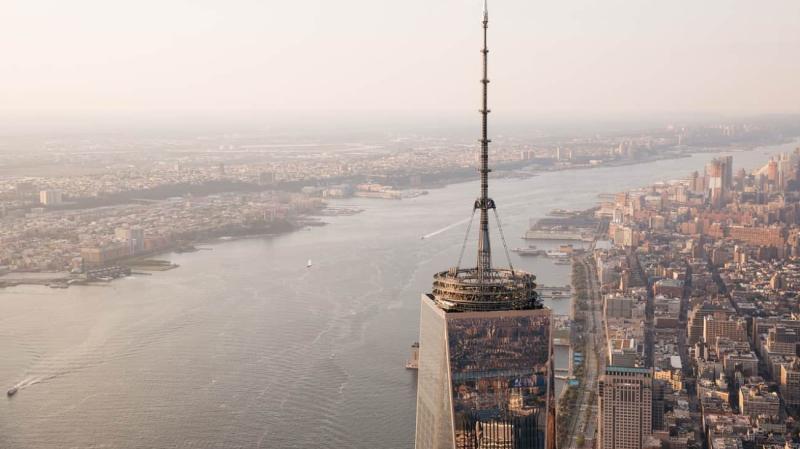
245, 347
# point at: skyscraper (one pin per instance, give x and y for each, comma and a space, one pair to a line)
485, 346
50, 197
626, 407
720, 180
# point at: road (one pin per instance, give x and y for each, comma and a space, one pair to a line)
585, 423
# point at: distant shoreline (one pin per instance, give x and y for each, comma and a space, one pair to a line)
148, 262
65, 279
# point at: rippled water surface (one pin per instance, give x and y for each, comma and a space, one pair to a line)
243, 346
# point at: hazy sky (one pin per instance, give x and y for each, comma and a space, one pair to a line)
587, 57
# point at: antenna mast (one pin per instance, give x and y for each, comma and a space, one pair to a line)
484, 203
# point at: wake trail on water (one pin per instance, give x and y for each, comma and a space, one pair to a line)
32, 380
446, 228
107, 348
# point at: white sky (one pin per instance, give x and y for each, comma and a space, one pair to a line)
589, 57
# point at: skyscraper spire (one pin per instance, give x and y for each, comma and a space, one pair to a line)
484, 203
477, 313
485, 287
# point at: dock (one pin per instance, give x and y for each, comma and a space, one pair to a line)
413, 361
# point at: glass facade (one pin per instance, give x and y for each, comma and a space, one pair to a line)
483, 379
434, 410
499, 368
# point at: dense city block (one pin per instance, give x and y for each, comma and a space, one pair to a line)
701, 312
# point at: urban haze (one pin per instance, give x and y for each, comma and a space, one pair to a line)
457, 224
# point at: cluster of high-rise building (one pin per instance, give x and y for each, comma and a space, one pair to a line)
693, 358
702, 312
50, 198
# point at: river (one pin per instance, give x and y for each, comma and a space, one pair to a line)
245, 347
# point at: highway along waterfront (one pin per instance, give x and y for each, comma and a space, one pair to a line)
248, 346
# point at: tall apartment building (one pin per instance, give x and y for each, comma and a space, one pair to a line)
50, 197
697, 319
790, 383
134, 237
756, 400
719, 173
782, 340
732, 329
625, 407
99, 256
759, 235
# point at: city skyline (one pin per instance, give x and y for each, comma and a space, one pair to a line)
224, 224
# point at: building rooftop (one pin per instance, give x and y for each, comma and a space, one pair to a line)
463, 290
